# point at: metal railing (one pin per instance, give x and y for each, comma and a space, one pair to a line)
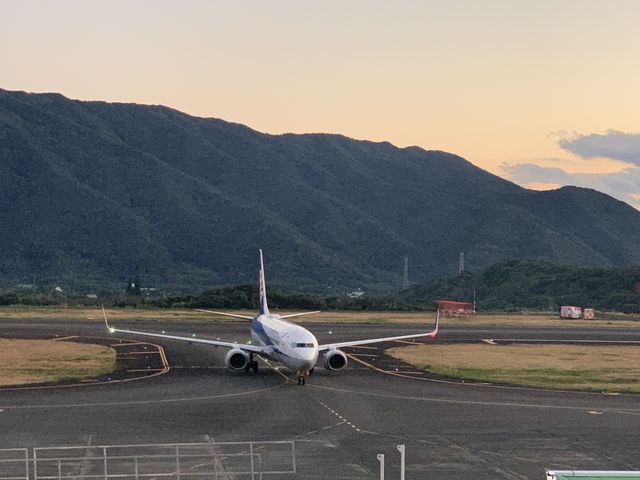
14, 464
184, 461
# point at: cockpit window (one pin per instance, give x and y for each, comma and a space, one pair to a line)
303, 345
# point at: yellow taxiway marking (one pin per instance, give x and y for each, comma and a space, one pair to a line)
165, 368
152, 352
151, 401
64, 338
484, 384
365, 347
406, 341
453, 401
147, 370
130, 344
274, 368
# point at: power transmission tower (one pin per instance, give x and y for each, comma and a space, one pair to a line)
405, 277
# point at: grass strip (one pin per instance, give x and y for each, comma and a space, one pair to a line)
425, 319
41, 361
573, 367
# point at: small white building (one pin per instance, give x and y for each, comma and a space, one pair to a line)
567, 311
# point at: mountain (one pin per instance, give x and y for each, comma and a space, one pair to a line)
540, 285
92, 193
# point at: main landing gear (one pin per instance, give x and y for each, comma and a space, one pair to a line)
301, 380
251, 365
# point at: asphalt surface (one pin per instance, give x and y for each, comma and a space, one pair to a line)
339, 421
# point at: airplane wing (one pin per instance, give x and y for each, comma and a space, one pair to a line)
217, 343
299, 314
225, 314
355, 343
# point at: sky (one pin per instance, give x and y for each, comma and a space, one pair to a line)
543, 93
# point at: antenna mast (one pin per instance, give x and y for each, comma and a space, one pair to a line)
405, 277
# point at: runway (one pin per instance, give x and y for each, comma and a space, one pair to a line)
340, 420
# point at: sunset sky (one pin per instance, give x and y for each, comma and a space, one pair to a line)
544, 93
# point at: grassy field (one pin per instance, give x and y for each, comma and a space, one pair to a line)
404, 318
38, 361
575, 367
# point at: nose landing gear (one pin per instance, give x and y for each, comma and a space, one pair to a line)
302, 377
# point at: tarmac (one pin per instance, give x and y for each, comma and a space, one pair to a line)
167, 392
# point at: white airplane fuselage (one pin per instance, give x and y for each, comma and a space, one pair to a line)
290, 344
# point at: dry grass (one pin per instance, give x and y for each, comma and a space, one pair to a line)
606, 368
398, 318
38, 361
95, 314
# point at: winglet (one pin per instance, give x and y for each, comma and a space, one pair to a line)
434, 332
104, 314
264, 309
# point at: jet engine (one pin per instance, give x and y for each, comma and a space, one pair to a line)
236, 359
335, 360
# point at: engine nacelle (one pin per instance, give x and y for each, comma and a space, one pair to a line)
236, 359
335, 360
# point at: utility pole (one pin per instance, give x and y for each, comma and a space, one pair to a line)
461, 266
401, 450
381, 460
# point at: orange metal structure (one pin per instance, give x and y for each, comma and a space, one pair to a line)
449, 308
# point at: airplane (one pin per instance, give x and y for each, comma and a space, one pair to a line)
279, 339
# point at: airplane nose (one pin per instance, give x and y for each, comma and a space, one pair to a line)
310, 358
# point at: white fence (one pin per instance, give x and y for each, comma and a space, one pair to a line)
187, 461
14, 464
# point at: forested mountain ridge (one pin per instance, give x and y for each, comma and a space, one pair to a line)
537, 285
93, 192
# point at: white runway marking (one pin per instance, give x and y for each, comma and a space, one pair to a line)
344, 420
540, 340
541, 406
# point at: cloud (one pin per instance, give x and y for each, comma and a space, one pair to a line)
611, 144
623, 185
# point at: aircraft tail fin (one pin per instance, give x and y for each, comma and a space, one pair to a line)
264, 308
